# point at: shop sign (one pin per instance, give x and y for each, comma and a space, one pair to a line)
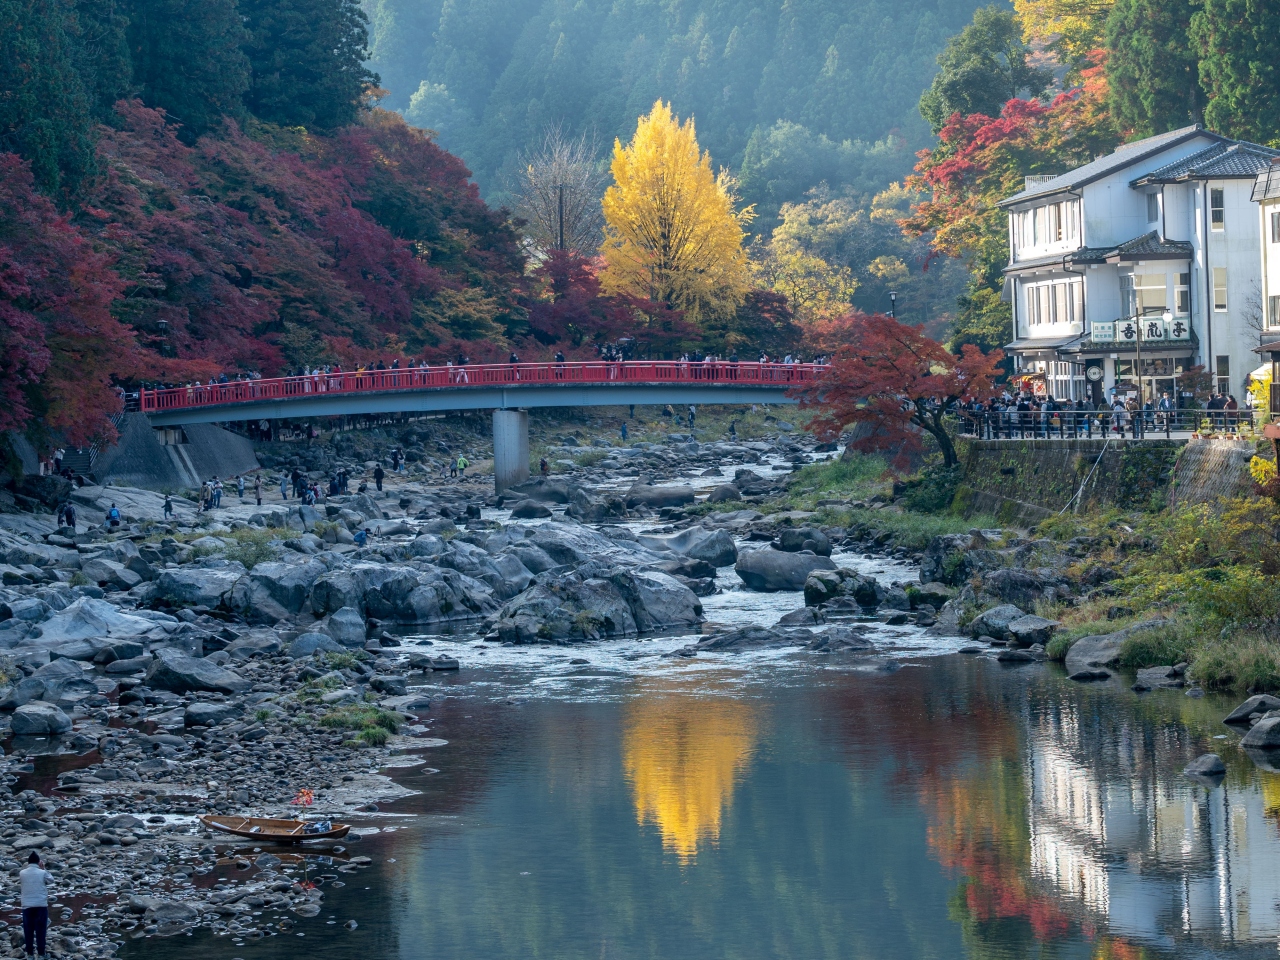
1104, 333
1179, 329
1152, 329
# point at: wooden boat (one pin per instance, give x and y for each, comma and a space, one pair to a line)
276, 831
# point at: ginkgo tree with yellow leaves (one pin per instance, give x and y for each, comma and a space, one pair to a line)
673, 232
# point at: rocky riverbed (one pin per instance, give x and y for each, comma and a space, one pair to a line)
224, 662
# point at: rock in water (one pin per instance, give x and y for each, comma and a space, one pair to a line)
1205, 766
771, 570
1265, 734
1257, 704
1092, 653
530, 510
39, 720
995, 622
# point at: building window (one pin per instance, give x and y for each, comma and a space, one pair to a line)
1219, 289
1153, 207
1217, 209
1223, 369
1184, 294
1273, 311
1058, 302
1145, 294
1275, 228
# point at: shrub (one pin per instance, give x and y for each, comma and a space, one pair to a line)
361, 717
1243, 663
1153, 648
932, 490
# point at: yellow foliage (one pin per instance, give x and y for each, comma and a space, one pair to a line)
1071, 27
1260, 390
814, 288
682, 755
888, 269
672, 233
1262, 470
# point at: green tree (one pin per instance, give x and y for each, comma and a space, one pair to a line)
982, 68
187, 60
102, 53
306, 60
1238, 67
1152, 66
44, 110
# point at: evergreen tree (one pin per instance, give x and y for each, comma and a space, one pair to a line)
1152, 68
1239, 71
982, 68
44, 112
187, 60
307, 61
102, 48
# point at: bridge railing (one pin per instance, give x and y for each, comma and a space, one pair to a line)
480, 375
1088, 424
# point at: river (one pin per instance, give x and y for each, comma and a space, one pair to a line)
797, 805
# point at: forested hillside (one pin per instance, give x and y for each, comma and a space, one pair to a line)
787, 92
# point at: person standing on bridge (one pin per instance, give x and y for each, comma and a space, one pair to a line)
378, 474
559, 364
514, 361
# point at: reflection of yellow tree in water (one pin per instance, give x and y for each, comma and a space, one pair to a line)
682, 754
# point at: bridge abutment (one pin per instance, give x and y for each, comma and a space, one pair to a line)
510, 448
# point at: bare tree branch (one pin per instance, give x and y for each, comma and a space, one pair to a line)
568, 168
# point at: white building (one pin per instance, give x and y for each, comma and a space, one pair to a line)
1156, 241
1266, 193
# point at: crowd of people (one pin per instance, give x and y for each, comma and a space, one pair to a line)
1026, 414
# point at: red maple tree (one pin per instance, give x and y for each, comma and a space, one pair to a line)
894, 382
60, 347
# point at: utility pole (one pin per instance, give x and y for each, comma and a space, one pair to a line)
560, 220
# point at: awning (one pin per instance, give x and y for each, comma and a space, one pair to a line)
1042, 344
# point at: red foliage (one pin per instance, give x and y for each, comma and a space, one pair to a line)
59, 344
893, 381
573, 311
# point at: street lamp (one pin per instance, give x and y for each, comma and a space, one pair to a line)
893, 304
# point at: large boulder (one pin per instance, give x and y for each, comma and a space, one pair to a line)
1030, 630
109, 573
531, 510
716, 547
1265, 735
209, 586
643, 495
402, 594
793, 540
309, 644
275, 591
1020, 587
755, 638
210, 714
503, 574
995, 622
823, 586
586, 607
1092, 653
544, 489
725, 493
89, 619
586, 510
347, 627
770, 570
39, 720
943, 559
1260, 703
180, 674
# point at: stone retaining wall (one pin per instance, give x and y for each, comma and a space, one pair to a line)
139, 459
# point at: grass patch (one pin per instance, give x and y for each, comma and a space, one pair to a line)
262, 716
859, 477
915, 530
1244, 662
252, 547
362, 717
345, 659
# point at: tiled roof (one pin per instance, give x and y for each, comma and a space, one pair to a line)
1267, 186
1117, 160
1221, 161
1151, 245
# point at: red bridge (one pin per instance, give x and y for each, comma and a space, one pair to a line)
505, 388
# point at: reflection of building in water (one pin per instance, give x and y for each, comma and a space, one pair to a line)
682, 754
1154, 859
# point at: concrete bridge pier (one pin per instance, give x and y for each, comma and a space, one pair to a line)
510, 448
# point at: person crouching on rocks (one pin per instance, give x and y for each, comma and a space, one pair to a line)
35, 903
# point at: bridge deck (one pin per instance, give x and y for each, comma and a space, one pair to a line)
478, 387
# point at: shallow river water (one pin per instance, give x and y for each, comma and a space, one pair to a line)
797, 805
